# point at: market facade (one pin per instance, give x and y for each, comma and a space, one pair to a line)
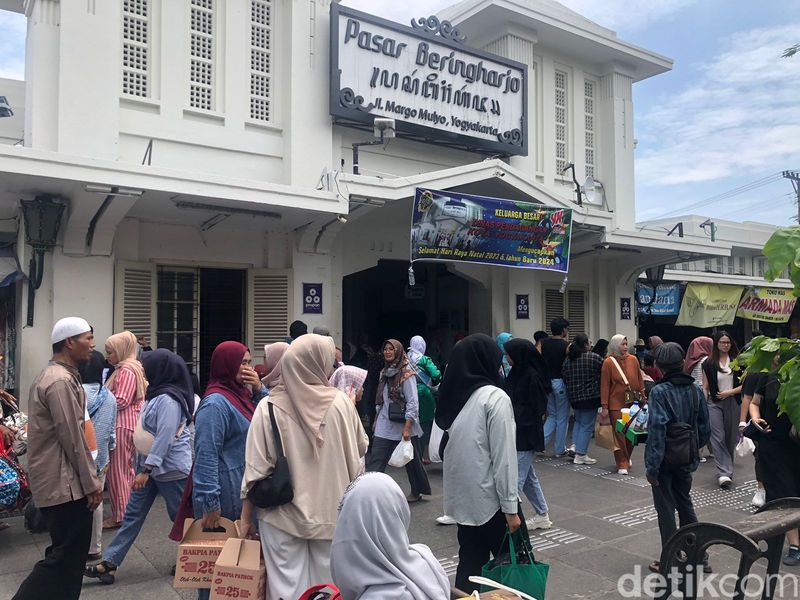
205, 161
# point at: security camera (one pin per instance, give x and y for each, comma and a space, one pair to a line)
5, 108
383, 127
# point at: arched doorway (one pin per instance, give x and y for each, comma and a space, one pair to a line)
378, 303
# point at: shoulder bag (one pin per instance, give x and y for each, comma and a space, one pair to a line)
681, 446
397, 410
276, 488
631, 395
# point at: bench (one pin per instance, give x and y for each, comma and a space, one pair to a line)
686, 549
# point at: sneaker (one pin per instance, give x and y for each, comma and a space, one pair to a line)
622, 471
792, 558
725, 482
760, 498
445, 520
571, 451
584, 459
703, 459
540, 522
564, 454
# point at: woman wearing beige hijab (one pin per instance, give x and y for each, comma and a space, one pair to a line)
323, 441
272, 362
128, 385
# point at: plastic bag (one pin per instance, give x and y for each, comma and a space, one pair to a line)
436, 441
402, 455
745, 447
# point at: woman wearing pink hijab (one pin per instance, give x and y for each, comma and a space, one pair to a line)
272, 361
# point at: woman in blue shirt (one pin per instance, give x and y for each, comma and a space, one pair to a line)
163, 440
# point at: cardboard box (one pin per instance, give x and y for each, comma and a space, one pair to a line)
198, 552
239, 571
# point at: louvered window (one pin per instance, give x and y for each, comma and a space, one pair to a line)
588, 109
571, 305
201, 50
135, 47
178, 309
270, 307
137, 314
562, 131
261, 60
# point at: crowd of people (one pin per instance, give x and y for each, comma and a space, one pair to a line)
133, 422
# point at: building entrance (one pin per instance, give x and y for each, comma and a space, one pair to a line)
379, 304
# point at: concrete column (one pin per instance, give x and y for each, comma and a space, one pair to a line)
41, 73
615, 123
89, 78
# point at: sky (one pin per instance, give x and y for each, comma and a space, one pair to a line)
725, 118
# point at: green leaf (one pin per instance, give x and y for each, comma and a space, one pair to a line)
781, 250
770, 346
789, 399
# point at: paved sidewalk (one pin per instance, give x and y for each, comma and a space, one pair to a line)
603, 527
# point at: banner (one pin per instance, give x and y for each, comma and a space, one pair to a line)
667, 302
312, 298
709, 305
771, 305
475, 229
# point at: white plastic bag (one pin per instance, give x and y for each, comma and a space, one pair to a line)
745, 447
437, 433
402, 455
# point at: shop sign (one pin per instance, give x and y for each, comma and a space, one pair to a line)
312, 298
771, 305
523, 306
625, 309
708, 305
436, 88
666, 303
450, 226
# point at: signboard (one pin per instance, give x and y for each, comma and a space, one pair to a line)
523, 306
436, 88
312, 298
708, 305
771, 305
666, 303
475, 229
625, 309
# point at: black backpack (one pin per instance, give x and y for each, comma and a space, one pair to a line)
681, 447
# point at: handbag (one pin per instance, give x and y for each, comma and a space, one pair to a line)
397, 410
681, 446
14, 488
604, 435
517, 569
325, 591
631, 395
276, 488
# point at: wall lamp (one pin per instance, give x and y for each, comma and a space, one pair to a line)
42, 222
5, 108
227, 210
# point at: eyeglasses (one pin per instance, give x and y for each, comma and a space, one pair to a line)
724, 343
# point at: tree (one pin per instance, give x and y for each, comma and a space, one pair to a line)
783, 252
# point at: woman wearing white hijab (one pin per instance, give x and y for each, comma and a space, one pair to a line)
323, 441
371, 558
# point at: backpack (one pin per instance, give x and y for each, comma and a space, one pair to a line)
681, 445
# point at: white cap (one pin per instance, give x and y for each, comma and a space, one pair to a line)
69, 327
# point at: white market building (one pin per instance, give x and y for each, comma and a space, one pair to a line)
193, 144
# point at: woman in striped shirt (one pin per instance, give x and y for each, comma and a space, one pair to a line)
128, 385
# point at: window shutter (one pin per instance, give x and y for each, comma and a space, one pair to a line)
135, 299
576, 312
553, 306
269, 301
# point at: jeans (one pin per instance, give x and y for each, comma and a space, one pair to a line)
671, 494
136, 512
724, 418
60, 573
528, 482
584, 428
557, 416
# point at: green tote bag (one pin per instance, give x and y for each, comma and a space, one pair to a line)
518, 571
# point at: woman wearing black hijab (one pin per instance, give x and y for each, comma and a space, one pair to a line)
480, 470
527, 384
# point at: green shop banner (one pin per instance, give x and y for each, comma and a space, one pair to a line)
709, 305
450, 226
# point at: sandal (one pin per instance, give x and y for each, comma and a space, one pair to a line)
109, 524
655, 566
411, 498
104, 571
